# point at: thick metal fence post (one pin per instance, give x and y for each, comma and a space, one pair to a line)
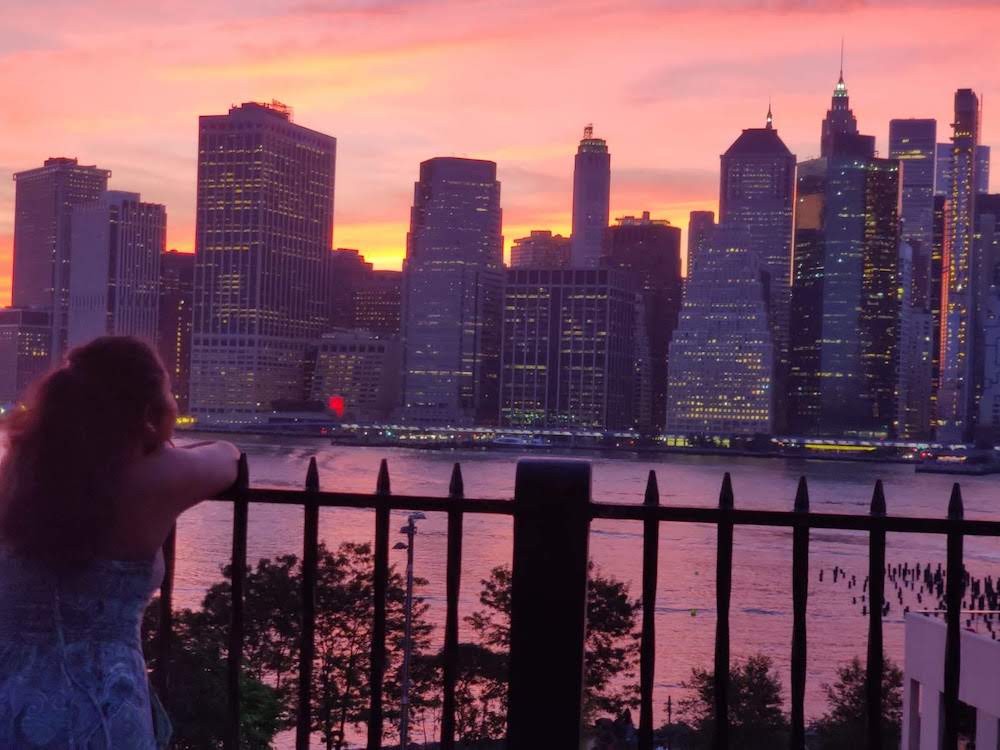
456, 490
380, 587
307, 644
723, 591
954, 588
800, 595
876, 601
647, 650
239, 574
165, 633
548, 622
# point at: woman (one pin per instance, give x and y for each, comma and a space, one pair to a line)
90, 486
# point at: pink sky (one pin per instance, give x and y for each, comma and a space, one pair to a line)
669, 84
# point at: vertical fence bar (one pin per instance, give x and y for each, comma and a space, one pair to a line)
165, 632
876, 601
307, 641
456, 491
239, 572
548, 623
954, 586
647, 650
379, 591
723, 591
800, 595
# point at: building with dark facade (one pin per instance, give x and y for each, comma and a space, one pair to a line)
263, 233
701, 224
362, 297
591, 199
43, 204
945, 169
839, 120
540, 249
651, 249
913, 142
452, 295
356, 375
174, 339
570, 349
25, 337
987, 243
116, 244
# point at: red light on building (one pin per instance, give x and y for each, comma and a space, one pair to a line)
336, 405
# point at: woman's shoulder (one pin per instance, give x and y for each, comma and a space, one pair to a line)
183, 475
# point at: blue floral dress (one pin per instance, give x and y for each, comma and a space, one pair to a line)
72, 674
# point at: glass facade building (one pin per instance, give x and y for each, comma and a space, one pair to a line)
175, 318
591, 199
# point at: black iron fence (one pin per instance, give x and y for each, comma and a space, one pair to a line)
552, 510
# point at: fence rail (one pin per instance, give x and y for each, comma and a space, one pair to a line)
552, 510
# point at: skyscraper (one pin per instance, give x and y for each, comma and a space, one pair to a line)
115, 248
570, 349
844, 351
956, 393
912, 141
264, 231
591, 199
25, 336
44, 199
176, 301
452, 295
756, 194
988, 337
701, 224
944, 169
839, 118
651, 249
541, 249
722, 354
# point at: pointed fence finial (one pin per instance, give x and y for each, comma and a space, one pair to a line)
652, 490
956, 509
802, 496
456, 487
382, 486
312, 476
726, 494
878, 499
242, 474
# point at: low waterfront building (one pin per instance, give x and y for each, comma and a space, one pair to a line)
25, 338
356, 374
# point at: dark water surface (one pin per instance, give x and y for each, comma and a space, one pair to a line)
761, 602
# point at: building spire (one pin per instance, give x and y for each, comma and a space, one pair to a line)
841, 80
770, 117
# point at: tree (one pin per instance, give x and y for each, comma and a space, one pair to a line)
844, 723
756, 719
611, 656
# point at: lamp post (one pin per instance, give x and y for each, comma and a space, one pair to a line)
410, 531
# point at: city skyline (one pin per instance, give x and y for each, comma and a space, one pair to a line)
667, 103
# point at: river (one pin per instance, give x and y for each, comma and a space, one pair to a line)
685, 615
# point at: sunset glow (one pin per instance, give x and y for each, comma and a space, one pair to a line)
667, 83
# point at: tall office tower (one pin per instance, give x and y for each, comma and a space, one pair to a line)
956, 392
44, 199
570, 349
722, 353
591, 199
264, 231
845, 306
174, 341
988, 349
452, 295
356, 374
914, 418
541, 249
839, 118
937, 264
912, 141
757, 193
115, 248
701, 224
25, 336
347, 267
945, 169
651, 249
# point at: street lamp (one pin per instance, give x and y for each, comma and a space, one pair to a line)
410, 531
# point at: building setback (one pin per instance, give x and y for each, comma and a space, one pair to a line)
264, 231
651, 249
570, 349
722, 354
174, 340
43, 203
701, 224
839, 120
452, 289
356, 374
115, 247
25, 336
591, 199
541, 249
